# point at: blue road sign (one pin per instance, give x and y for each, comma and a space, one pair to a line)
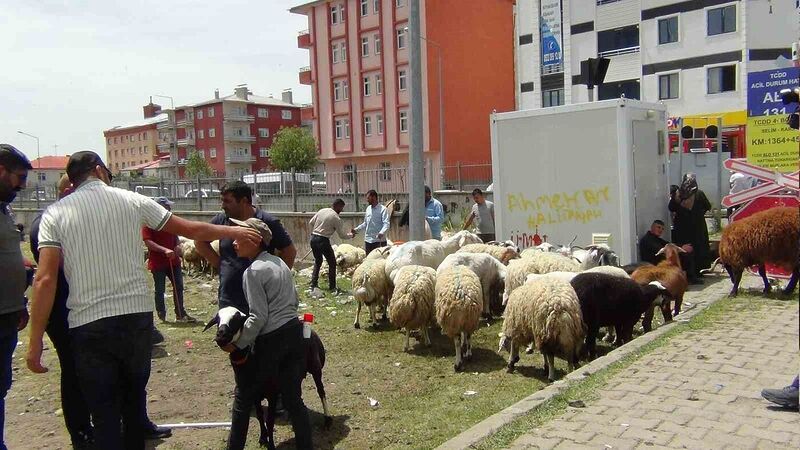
763, 91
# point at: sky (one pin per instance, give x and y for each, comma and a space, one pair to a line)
73, 68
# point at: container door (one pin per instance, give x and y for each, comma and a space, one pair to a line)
649, 175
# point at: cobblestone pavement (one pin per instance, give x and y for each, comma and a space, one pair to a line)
700, 391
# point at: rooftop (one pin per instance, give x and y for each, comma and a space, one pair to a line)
299, 8
254, 99
50, 163
143, 122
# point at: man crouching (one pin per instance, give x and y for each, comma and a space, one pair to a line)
271, 344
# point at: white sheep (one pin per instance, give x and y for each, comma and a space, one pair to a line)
545, 312
428, 253
535, 262
563, 276
502, 253
411, 306
379, 253
371, 288
348, 257
490, 271
459, 301
595, 255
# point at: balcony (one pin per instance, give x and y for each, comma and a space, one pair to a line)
234, 159
164, 125
183, 142
239, 138
305, 75
238, 117
183, 123
166, 145
304, 39
618, 52
307, 112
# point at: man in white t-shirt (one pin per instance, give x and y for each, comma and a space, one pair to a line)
97, 231
483, 215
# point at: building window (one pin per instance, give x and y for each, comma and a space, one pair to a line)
376, 7
337, 15
668, 30
401, 38
348, 172
145, 150
616, 89
339, 129
212, 132
263, 132
109, 141
201, 134
202, 153
379, 120
263, 152
404, 121
722, 20
368, 126
346, 89
262, 113
346, 129
377, 44
367, 87
553, 97
286, 114
200, 115
721, 79
378, 84
337, 91
400, 3
364, 47
668, 86
212, 152
343, 51
211, 112
335, 51
41, 176
364, 7
618, 41
401, 80
385, 170
190, 115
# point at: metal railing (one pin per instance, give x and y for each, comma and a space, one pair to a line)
605, 2
618, 52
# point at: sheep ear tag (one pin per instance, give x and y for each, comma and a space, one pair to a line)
214, 321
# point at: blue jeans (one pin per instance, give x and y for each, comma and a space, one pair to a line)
8, 343
112, 360
160, 281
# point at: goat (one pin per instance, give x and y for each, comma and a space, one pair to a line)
230, 321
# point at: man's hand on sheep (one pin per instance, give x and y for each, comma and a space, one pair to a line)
34, 357
687, 248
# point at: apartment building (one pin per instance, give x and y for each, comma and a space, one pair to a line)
47, 170
134, 143
233, 133
360, 81
692, 55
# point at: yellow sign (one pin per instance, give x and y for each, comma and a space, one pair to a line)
772, 144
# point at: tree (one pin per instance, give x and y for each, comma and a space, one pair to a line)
293, 148
196, 166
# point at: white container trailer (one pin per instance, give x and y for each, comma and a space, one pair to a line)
597, 171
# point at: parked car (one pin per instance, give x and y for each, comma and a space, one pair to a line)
151, 191
204, 193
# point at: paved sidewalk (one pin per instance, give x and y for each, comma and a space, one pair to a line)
700, 391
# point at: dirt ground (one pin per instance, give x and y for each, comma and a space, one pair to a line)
421, 400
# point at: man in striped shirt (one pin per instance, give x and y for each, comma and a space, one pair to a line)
97, 229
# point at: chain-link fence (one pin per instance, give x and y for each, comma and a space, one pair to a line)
289, 191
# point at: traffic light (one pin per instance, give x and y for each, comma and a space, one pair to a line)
789, 96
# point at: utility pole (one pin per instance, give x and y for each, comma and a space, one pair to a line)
416, 168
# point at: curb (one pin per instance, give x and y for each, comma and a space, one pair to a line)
710, 294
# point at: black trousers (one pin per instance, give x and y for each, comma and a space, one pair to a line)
73, 404
279, 355
112, 361
370, 246
321, 247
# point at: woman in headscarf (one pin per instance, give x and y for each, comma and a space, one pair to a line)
689, 205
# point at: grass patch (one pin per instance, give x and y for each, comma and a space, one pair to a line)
586, 389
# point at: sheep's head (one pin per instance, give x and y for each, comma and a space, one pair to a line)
508, 254
230, 322
671, 253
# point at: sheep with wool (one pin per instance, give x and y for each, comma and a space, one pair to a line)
411, 306
544, 312
428, 253
536, 262
594, 256
612, 301
380, 253
771, 236
490, 271
458, 305
371, 287
502, 253
671, 275
348, 256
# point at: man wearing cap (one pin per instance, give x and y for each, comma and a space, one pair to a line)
97, 230
14, 167
164, 261
273, 329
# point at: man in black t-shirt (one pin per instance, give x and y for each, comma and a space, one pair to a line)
652, 242
237, 203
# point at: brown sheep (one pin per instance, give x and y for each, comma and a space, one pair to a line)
769, 236
671, 275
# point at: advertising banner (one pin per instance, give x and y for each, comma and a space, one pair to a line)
550, 24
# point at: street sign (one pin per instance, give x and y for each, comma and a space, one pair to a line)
774, 181
763, 204
763, 91
771, 143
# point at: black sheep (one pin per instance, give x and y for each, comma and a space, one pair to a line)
607, 300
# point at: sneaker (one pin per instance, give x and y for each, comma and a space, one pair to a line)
186, 319
157, 336
786, 397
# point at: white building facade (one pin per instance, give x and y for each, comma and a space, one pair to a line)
692, 55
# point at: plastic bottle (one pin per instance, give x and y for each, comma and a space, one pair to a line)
308, 319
